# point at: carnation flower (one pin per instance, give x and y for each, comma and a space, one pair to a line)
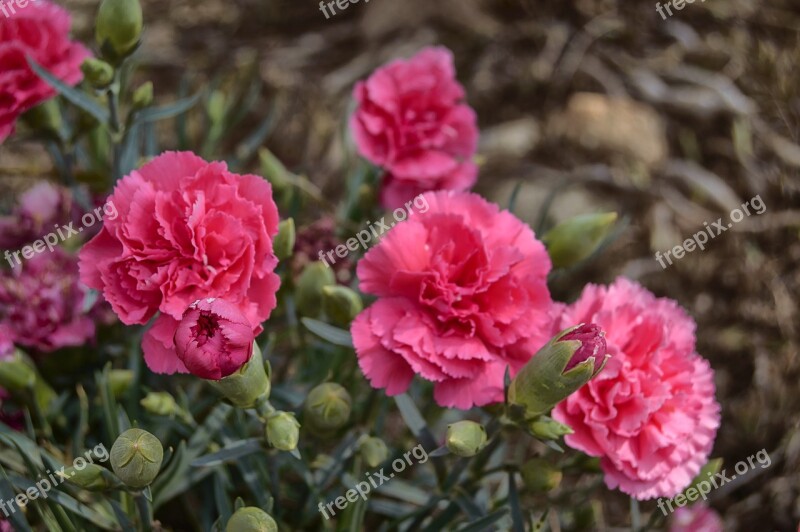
41, 31
214, 339
650, 415
42, 303
412, 122
695, 518
40, 209
186, 230
462, 295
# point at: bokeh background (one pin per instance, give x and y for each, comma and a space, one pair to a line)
584, 106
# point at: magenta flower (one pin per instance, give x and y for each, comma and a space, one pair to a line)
695, 518
412, 121
214, 339
42, 303
40, 30
186, 230
40, 209
650, 415
462, 294
593, 344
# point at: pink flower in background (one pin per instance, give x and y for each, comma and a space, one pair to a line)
40, 30
214, 339
40, 208
462, 294
186, 230
42, 303
650, 415
412, 121
695, 518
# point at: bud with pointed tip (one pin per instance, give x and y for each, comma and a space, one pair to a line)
539, 475
327, 407
136, 457
118, 28
91, 477
160, 404
374, 451
465, 438
341, 304
576, 239
283, 431
547, 428
143, 95
564, 364
314, 278
251, 519
97, 72
283, 245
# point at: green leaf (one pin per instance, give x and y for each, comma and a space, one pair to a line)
75, 96
517, 518
328, 332
167, 111
17, 519
484, 523
230, 453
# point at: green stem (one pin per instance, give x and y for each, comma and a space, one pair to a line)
145, 512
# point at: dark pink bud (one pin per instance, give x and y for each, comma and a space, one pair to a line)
593, 344
214, 339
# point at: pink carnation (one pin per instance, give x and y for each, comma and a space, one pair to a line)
186, 230
412, 122
41, 208
650, 415
42, 303
462, 295
695, 518
40, 30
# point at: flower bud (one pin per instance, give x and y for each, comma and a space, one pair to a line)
374, 451
119, 27
45, 117
327, 407
97, 72
251, 519
143, 96
245, 387
136, 457
16, 375
283, 431
283, 245
539, 475
92, 477
575, 239
563, 365
119, 380
216, 107
214, 339
160, 404
341, 304
465, 438
546, 428
314, 278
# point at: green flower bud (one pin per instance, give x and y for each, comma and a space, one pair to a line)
575, 239
546, 428
465, 438
283, 245
283, 431
119, 380
136, 457
119, 27
327, 407
314, 278
143, 96
341, 304
160, 404
563, 365
247, 385
539, 475
16, 375
45, 117
374, 451
97, 72
216, 107
92, 477
251, 519
275, 172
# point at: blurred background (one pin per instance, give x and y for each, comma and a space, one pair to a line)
584, 106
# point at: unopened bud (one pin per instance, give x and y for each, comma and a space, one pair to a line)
136, 457
283, 431
160, 404
247, 385
216, 107
119, 380
374, 451
546, 428
575, 239
16, 375
97, 72
539, 475
251, 519
45, 117
314, 278
143, 95
341, 304
119, 27
91, 477
563, 365
465, 438
283, 245
327, 407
